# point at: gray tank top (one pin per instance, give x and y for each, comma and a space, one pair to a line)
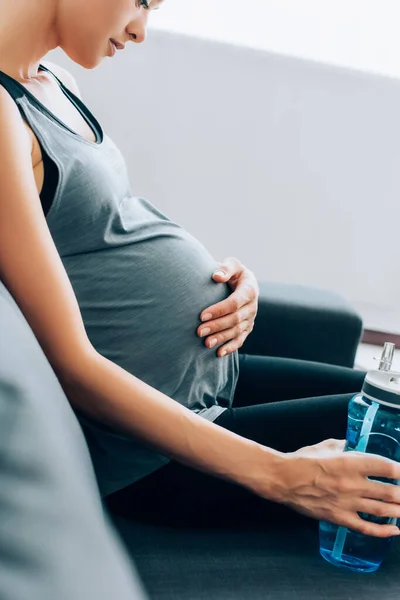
141, 282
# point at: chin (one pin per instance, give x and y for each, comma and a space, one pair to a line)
85, 60
91, 64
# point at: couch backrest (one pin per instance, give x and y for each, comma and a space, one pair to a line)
55, 541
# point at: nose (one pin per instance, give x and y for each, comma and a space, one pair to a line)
139, 36
137, 29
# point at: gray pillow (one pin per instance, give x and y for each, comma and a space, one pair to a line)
55, 542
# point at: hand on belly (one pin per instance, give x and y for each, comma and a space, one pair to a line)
230, 321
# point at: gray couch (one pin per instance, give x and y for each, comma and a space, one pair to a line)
55, 541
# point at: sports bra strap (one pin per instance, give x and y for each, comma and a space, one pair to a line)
11, 86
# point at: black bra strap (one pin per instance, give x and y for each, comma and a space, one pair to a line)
80, 106
17, 90
9, 84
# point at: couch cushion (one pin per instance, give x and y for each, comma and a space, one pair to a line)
55, 542
274, 562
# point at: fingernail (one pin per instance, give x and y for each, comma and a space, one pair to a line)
206, 317
213, 342
223, 353
220, 273
205, 331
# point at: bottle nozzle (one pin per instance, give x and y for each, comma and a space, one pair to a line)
386, 360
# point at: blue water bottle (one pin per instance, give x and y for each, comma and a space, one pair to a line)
373, 426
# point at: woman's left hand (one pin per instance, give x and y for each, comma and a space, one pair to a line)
229, 322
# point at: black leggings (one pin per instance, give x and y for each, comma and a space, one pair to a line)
281, 403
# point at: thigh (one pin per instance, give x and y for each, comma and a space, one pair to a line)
177, 495
265, 379
291, 424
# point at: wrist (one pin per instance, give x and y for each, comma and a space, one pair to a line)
264, 475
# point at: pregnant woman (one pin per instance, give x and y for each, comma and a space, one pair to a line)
141, 333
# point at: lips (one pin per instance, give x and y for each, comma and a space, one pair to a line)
118, 45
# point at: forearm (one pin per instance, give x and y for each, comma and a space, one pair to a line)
109, 394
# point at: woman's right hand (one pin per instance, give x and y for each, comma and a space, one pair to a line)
323, 482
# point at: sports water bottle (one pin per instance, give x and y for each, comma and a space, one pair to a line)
373, 426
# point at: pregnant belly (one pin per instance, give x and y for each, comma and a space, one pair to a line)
141, 304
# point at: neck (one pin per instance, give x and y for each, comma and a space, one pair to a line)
24, 41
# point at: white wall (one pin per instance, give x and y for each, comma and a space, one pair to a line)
359, 34
291, 166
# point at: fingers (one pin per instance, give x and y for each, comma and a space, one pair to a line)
381, 491
343, 492
351, 520
230, 267
368, 528
233, 271
379, 509
371, 465
234, 338
230, 305
223, 333
230, 321
233, 345
357, 471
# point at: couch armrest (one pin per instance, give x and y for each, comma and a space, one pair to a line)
306, 323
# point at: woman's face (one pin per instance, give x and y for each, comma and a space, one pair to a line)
85, 27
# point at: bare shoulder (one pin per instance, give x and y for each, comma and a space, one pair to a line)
11, 123
65, 76
30, 265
